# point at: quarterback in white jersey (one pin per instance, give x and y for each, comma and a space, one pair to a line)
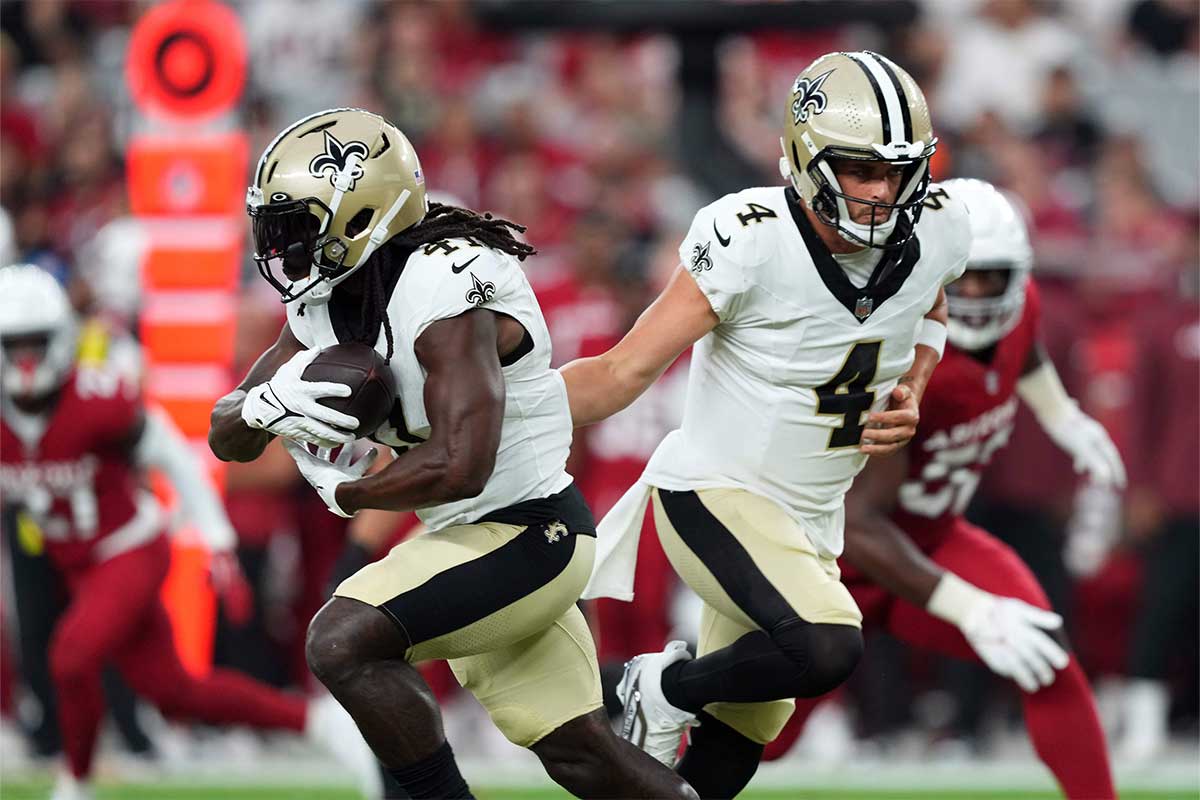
818, 315
481, 430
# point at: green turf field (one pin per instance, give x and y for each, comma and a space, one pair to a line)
175, 791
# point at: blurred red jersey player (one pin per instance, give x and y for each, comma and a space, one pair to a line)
75, 441
917, 568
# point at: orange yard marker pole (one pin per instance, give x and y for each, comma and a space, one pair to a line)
186, 169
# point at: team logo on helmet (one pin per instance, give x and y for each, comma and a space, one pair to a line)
336, 157
700, 258
808, 97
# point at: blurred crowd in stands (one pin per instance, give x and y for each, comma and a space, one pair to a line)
1087, 110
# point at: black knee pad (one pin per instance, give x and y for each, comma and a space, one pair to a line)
825, 654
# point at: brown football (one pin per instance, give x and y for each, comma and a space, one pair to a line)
372, 385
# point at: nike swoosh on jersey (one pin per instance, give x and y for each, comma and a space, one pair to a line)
458, 269
722, 239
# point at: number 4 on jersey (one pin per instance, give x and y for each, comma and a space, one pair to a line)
756, 213
846, 394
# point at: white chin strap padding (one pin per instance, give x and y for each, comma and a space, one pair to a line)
857, 233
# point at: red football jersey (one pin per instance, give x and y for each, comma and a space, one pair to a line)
72, 471
967, 415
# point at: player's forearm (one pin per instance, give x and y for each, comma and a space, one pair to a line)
875, 545
917, 378
931, 342
427, 475
597, 388
1044, 393
162, 446
229, 437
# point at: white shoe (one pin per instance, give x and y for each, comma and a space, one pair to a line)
1147, 707
650, 722
68, 787
331, 726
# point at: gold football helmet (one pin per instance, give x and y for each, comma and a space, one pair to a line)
857, 106
327, 193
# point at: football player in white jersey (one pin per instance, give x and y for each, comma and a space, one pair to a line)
481, 431
818, 315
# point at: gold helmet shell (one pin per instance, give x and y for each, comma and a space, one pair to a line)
327, 193
860, 106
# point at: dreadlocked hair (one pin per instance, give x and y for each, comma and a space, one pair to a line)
452, 222
375, 298
440, 222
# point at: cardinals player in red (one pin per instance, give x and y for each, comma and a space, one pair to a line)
75, 441
917, 568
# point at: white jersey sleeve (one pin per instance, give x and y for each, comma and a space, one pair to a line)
954, 231
720, 255
451, 278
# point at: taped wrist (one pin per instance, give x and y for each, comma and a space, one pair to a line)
1043, 391
932, 334
954, 599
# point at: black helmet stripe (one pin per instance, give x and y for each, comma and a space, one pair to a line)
883, 109
895, 79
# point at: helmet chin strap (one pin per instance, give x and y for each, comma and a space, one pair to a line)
323, 290
322, 287
857, 233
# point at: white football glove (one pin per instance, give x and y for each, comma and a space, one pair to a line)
325, 475
1092, 449
1009, 635
1080, 436
287, 406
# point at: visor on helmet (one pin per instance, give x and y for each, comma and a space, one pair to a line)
292, 248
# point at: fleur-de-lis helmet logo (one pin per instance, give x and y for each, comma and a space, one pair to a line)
700, 258
808, 97
336, 156
481, 291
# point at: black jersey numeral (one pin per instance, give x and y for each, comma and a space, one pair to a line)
933, 200
756, 213
444, 246
846, 394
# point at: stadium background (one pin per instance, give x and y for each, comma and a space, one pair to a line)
603, 126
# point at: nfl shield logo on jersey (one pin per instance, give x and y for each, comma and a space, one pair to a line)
863, 308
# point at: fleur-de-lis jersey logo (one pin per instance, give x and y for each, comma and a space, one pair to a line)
336, 156
481, 291
808, 97
555, 531
700, 259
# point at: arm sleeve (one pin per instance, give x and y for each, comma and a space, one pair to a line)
163, 447
723, 272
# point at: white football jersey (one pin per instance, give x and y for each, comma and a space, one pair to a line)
443, 280
780, 389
